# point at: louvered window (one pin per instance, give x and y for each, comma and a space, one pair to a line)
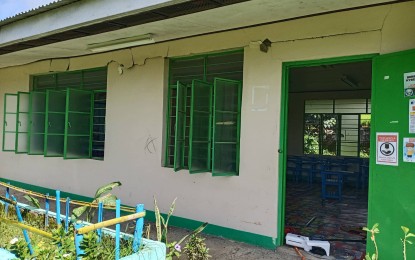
63, 116
203, 122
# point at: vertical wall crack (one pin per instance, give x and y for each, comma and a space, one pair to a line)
132, 58
381, 28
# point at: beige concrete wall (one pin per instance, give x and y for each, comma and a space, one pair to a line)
135, 113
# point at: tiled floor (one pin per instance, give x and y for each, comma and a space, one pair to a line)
338, 221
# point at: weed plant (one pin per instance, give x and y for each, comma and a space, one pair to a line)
406, 240
196, 249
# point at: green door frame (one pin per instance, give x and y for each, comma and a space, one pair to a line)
282, 158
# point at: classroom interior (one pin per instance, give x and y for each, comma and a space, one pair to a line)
327, 167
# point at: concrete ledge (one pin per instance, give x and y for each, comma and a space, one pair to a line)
6, 255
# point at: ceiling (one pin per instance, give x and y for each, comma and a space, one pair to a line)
172, 22
110, 24
335, 77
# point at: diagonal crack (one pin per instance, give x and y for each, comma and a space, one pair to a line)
326, 36
381, 28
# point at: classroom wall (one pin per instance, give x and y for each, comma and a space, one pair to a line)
135, 114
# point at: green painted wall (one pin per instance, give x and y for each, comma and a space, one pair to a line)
391, 192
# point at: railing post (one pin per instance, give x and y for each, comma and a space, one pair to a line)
78, 240
20, 219
47, 210
7, 197
138, 232
68, 200
100, 214
58, 208
117, 230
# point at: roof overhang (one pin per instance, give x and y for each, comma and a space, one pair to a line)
67, 30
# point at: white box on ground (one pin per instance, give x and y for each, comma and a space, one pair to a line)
306, 243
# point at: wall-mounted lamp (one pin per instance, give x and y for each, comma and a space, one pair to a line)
265, 45
349, 81
121, 43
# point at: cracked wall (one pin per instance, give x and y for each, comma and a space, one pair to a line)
136, 104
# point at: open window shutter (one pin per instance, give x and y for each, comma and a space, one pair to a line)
55, 123
98, 124
10, 122
22, 126
200, 127
78, 126
37, 116
226, 127
179, 129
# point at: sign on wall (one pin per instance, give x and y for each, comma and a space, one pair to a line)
409, 84
408, 149
387, 148
412, 116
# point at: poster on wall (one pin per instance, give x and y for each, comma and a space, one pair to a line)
412, 116
408, 149
409, 84
387, 148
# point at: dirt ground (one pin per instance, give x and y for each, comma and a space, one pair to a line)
224, 249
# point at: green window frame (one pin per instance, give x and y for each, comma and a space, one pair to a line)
200, 135
10, 122
37, 115
55, 123
180, 127
22, 124
62, 116
199, 89
78, 124
226, 130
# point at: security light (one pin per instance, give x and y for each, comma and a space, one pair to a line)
265, 45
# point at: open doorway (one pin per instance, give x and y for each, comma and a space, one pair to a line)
328, 148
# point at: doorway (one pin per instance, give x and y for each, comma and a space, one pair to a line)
325, 160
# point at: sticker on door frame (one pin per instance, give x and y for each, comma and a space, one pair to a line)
387, 148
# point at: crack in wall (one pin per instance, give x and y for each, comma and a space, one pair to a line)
132, 57
144, 59
59, 64
381, 29
327, 36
